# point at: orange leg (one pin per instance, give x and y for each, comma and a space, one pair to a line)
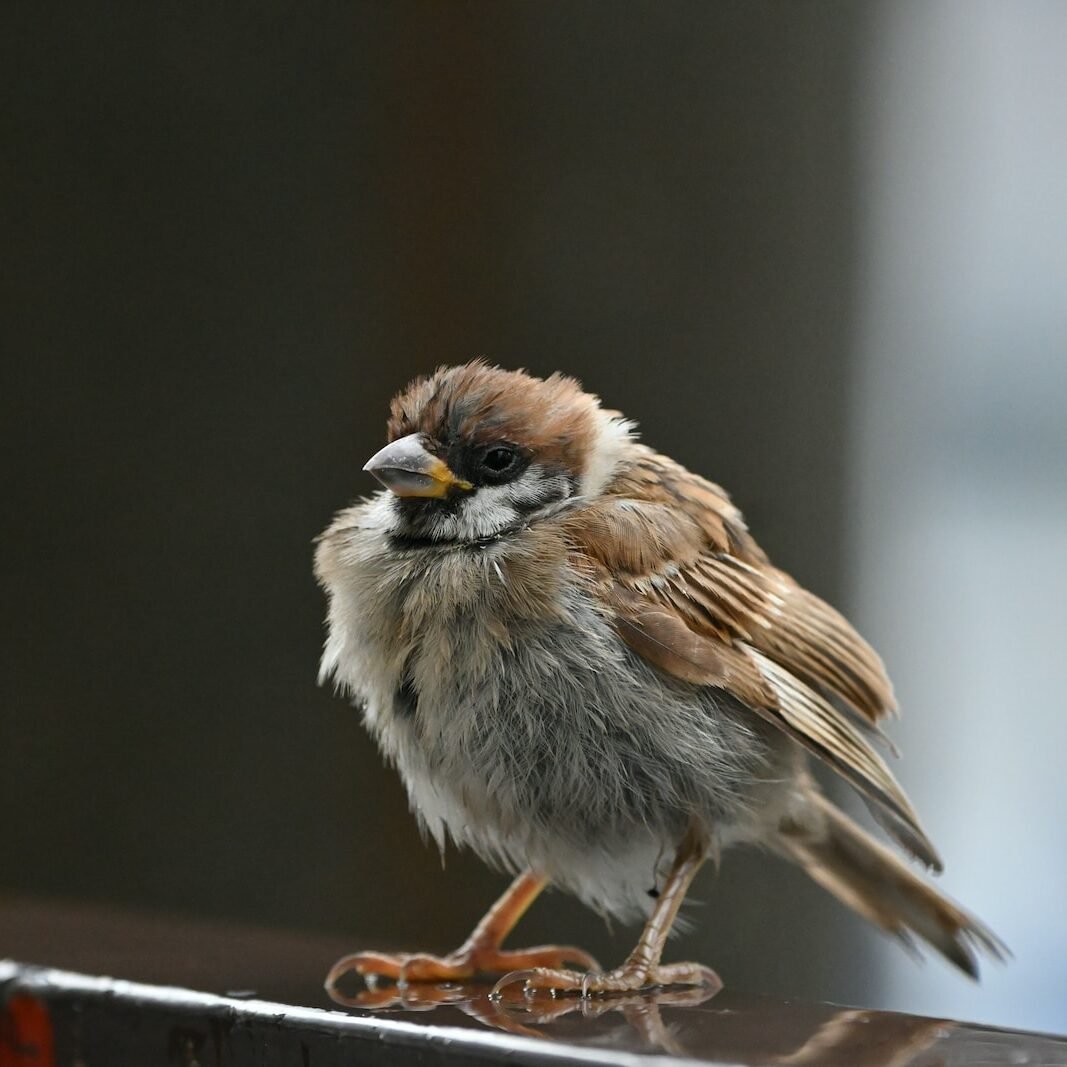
642, 968
479, 954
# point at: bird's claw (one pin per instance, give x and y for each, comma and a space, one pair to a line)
465, 963
629, 978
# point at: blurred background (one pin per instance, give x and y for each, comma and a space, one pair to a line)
816, 249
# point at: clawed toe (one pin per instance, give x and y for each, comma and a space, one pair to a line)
544, 957
459, 966
401, 969
370, 965
628, 978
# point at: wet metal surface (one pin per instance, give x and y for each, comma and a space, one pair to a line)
733, 1028
195, 994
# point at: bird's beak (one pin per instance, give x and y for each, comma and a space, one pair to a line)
407, 469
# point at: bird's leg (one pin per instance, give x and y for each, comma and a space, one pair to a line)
642, 968
479, 954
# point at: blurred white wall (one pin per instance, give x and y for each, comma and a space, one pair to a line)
960, 476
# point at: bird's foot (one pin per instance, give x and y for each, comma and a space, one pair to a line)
464, 963
629, 978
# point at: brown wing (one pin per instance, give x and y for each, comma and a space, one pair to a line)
692, 593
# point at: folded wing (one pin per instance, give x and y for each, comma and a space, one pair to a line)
692, 593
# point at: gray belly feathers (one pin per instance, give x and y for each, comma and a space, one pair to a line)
547, 745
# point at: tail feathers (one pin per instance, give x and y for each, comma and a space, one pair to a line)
866, 876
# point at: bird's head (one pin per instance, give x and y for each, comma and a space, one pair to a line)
475, 450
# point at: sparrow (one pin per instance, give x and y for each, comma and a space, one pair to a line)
585, 669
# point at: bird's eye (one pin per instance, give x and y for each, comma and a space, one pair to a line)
500, 459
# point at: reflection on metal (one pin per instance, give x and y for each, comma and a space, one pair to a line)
102, 1020
516, 1011
847, 1036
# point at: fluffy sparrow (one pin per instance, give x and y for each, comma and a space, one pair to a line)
586, 670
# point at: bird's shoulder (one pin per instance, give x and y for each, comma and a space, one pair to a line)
661, 538
655, 514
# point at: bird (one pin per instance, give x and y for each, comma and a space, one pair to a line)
587, 671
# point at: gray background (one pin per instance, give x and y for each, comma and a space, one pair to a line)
231, 232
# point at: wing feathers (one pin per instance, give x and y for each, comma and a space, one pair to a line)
664, 640
822, 729
694, 595
772, 692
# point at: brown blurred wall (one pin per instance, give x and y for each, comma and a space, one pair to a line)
231, 232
